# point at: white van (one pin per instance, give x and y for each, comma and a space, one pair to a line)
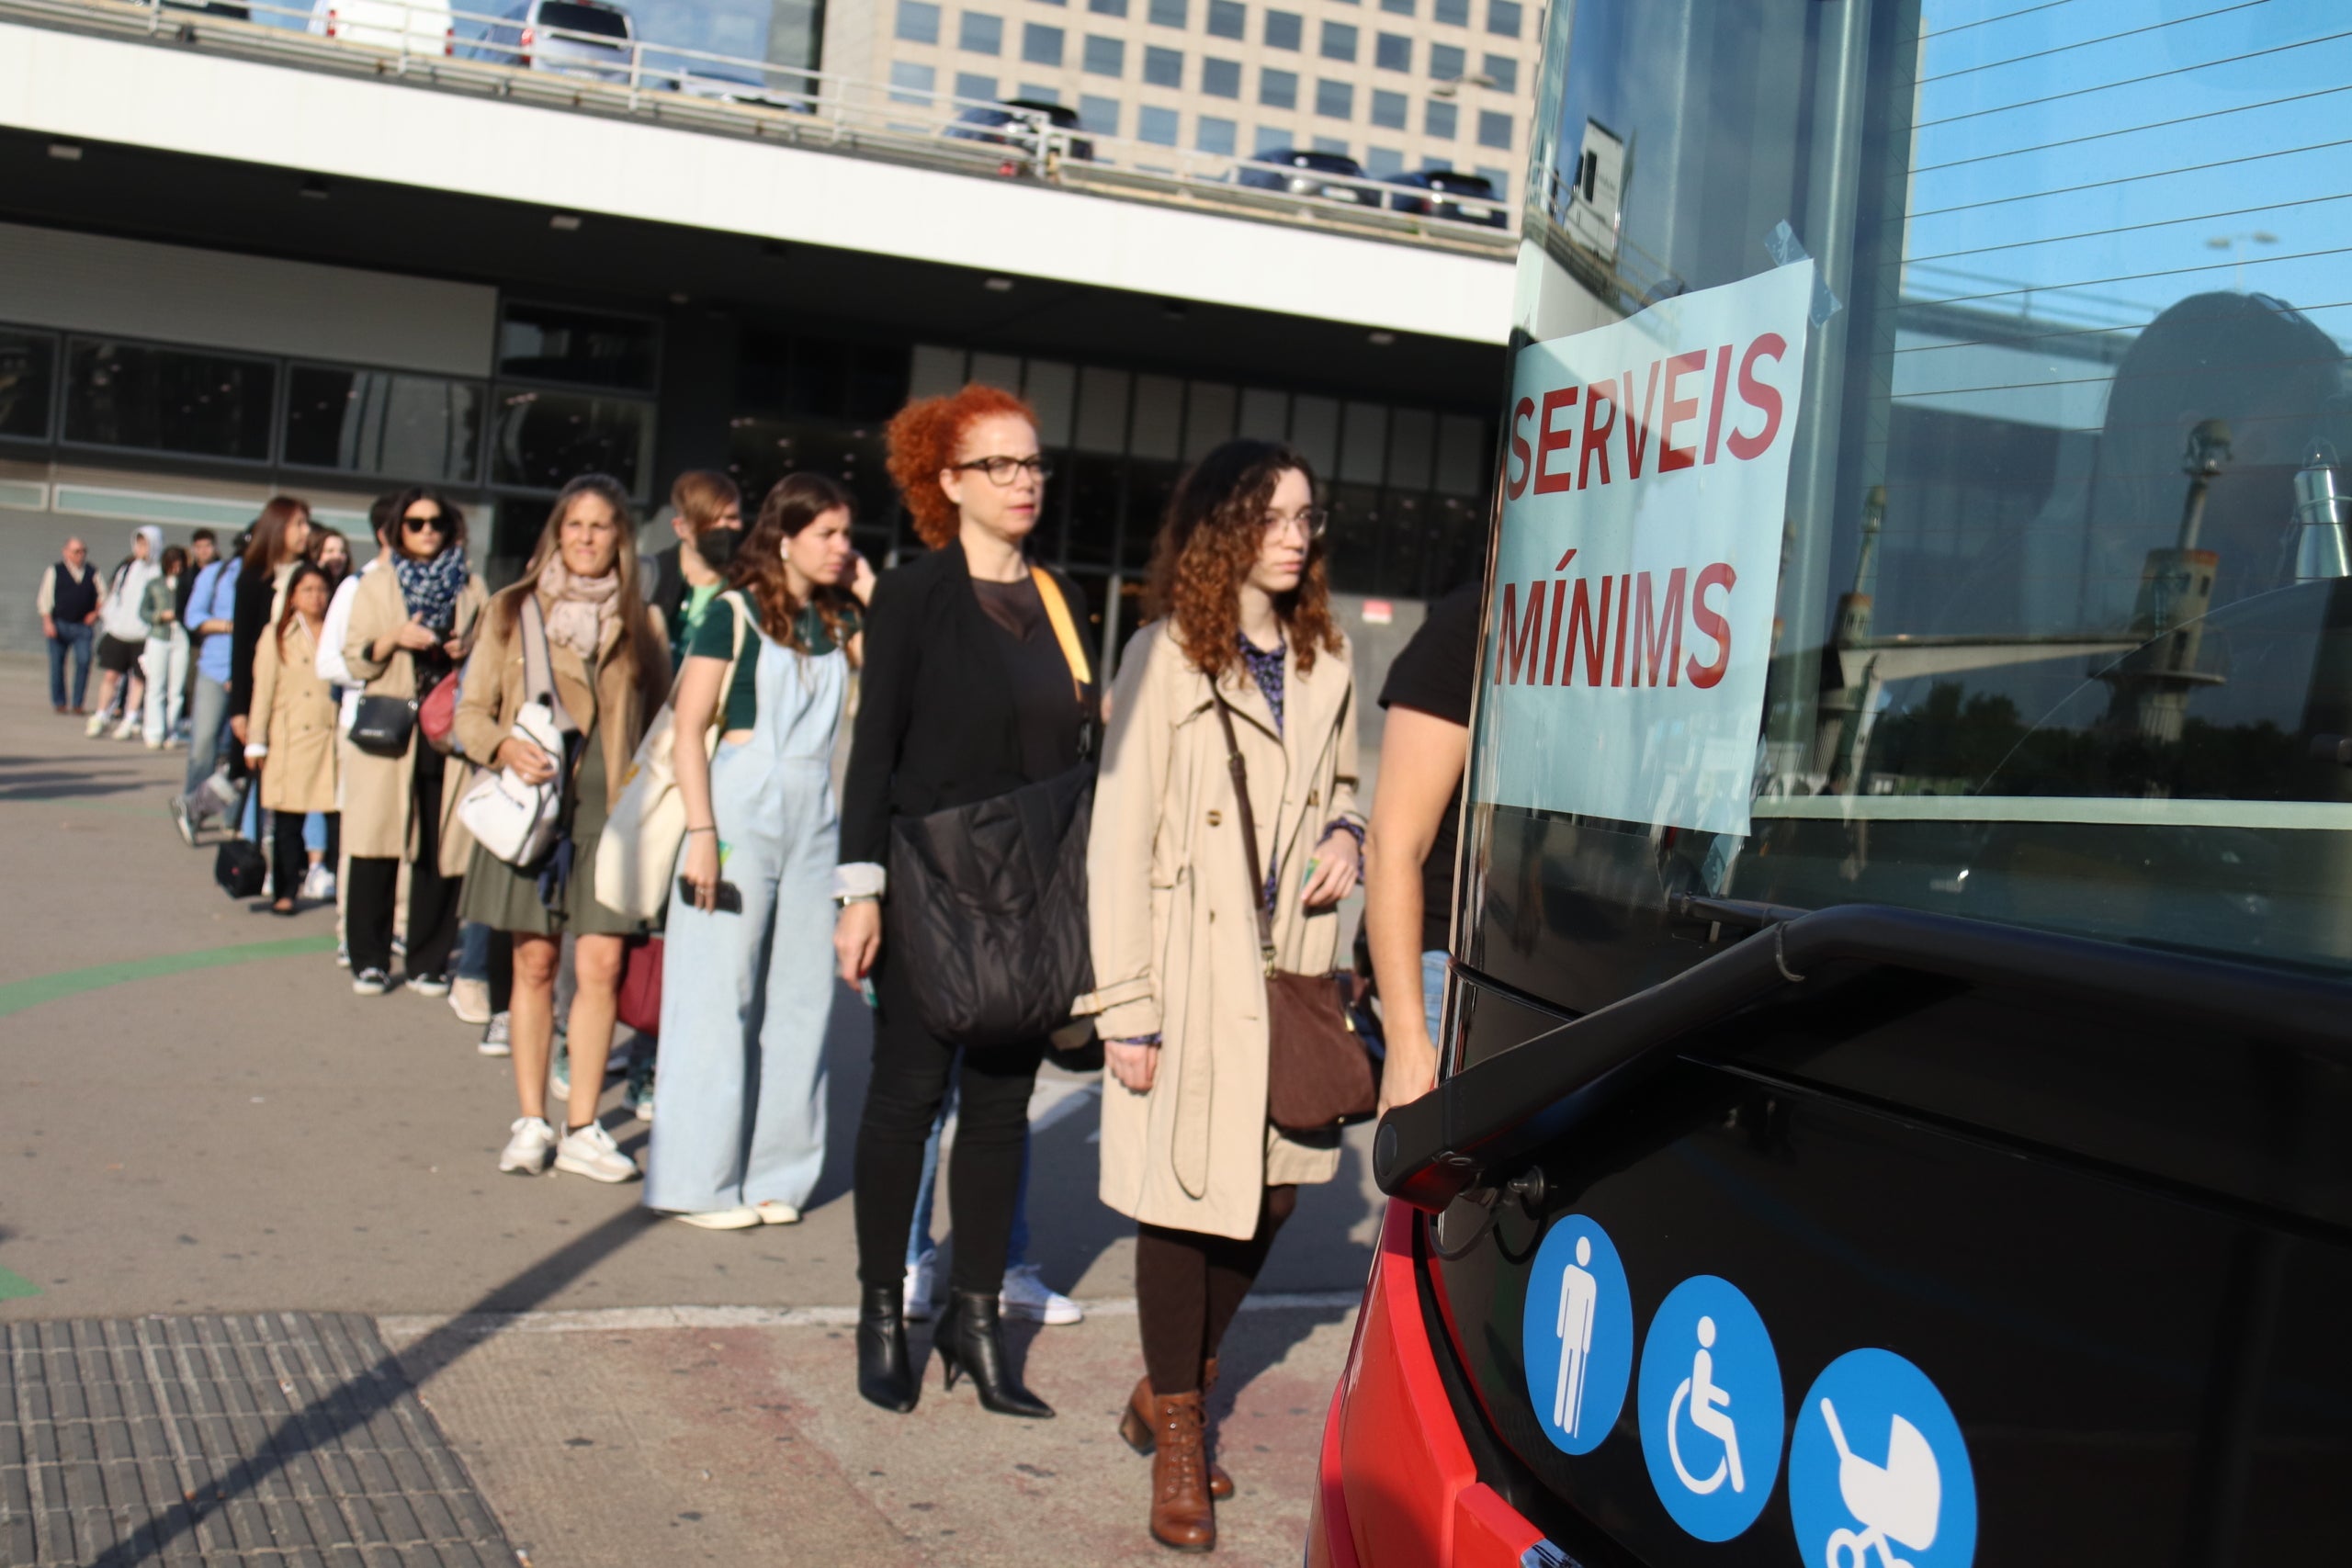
412, 27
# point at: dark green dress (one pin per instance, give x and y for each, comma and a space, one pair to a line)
506, 900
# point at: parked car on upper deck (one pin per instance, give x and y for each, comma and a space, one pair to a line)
1007, 125
414, 27
576, 38
1303, 173
1448, 188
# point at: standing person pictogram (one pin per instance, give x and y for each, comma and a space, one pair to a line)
1578, 1294
1577, 1336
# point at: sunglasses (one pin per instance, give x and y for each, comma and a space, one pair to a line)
424, 524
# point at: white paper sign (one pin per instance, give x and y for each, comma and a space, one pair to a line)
1646, 492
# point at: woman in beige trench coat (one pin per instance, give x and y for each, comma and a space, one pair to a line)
289, 735
1188, 1150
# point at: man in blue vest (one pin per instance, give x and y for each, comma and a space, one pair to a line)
69, 619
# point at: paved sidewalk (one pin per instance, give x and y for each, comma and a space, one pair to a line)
204, 1124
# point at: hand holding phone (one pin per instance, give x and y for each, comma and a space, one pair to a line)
726, 898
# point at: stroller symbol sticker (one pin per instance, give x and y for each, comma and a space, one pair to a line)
1577, 1339
1878, 1472
1712, 1416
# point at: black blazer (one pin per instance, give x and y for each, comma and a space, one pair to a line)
936, 726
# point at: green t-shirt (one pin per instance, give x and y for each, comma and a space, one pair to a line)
714, 638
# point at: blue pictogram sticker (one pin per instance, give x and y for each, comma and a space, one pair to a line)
1878, 1472
1711, 1408
1577, 1339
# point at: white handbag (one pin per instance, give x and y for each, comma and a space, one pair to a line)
638, 853
517, 821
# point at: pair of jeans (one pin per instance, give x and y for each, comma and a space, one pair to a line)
1016, 1251
208, 719
488, 955
165, 664
78, 641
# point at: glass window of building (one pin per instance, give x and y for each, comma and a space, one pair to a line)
1102, 410
1278, 89
1448, 62
910, 83
978, 33
1107, 8
193, 402
545, 438
1099, 115
1040, 45
588, 348
1163, 67
1503, 70
1159, 417
1339, 41
1221, 78
974, 86
1388, 110
1454, 12
1156, 125
1170, 13
1039, 92
1228, 18
27, 383
918, 21
1392, 51
1209, 409
1104, 56
1270, 138
1210, 134
1384, 162
1339, 145
1494, 130
1398, 7
1284, 29
377, 421
1334, 100
1502, 17
1051, 388
1438, 119
1499, 178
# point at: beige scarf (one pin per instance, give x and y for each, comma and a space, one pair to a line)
579, 608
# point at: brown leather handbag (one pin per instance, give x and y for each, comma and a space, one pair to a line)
1318, 1073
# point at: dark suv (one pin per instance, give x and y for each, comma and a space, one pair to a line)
1302, 173
1447, 189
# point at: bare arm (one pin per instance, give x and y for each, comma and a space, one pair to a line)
1421, 759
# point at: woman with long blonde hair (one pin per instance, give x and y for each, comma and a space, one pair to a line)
609, 659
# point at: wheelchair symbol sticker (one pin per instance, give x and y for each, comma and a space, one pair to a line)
1577, 1339
1878, 1472
1711, 1408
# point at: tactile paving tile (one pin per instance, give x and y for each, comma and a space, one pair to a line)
282, 1439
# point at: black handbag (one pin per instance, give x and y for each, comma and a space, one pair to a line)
238, 865
381, 726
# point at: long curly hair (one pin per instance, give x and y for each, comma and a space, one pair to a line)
1209, 539
923, 437
795, 502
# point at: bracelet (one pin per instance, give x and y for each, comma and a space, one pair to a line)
691, 831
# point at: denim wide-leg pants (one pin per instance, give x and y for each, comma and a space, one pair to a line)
745, 998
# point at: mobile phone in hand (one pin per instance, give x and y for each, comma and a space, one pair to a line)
726, 899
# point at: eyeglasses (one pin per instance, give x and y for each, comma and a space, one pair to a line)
421, 524
1001, 470
1314, 519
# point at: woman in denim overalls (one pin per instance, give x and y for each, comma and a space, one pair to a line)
745, 994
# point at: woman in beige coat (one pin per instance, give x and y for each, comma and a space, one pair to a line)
1188, 1150
290, 731
413, 621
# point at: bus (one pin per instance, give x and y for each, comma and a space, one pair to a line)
1897, 1044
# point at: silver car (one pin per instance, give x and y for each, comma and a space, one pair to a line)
576, 38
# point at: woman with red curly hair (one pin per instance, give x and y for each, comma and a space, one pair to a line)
1243, 633
967, 697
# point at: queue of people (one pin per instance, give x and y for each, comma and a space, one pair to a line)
390, 704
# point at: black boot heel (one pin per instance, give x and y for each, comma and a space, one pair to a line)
970, 1339
884, 1376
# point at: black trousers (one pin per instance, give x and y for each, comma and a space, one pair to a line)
432, 898
289, 861
911, 1068
1189, 1285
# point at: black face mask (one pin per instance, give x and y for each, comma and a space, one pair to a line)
717, 546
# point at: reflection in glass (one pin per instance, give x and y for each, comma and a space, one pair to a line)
195, 402
1095, 488
545, 439
557, 343
374, 422
28, 377
761, 451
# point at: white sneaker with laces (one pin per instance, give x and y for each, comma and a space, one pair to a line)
923, 1281
370, 983
1026, 1295
319, 883
96, 726
591, 1152
498, 1040
469, 999
526, 1152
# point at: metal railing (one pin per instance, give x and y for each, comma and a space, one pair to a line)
438, 46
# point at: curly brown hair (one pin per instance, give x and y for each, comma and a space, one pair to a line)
1208, 541
796, 500
923, 437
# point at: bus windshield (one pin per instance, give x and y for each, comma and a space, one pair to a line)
2059, 623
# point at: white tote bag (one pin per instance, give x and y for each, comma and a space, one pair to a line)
638, 851
517, 821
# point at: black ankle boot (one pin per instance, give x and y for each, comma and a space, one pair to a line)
969, 1339
884, 1375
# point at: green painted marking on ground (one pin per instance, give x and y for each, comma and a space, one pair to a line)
13, 1285
17, 995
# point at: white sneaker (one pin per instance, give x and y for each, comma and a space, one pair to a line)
96, 726
591, 1152
429, 984
498, 1040
526, 1152
772, 1212
343, 955
469, 999
922, 1278
370, 983
127, 730
738, 1218
1026, 1295
319, 883
154, 745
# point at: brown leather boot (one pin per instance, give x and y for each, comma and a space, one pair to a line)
1181, 1515
1135, 1426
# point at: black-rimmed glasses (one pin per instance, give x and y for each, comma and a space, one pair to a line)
1001, 470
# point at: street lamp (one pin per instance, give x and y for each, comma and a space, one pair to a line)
2230, 242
